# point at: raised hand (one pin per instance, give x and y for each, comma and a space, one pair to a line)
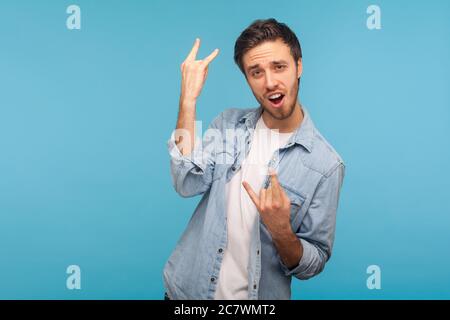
194, 73
193, 76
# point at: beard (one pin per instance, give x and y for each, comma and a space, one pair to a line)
285, 111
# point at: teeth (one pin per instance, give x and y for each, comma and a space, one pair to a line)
274, 96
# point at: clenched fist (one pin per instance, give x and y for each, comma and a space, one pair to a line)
194, 73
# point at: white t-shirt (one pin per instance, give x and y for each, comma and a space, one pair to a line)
242, 212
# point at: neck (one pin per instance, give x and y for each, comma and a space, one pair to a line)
286, 125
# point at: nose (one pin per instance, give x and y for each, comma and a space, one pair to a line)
271, 82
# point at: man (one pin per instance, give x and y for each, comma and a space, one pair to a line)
268, 208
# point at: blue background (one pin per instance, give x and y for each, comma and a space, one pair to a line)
85, 116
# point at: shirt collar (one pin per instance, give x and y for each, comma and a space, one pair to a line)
303, 135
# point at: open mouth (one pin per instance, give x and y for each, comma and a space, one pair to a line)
276, 99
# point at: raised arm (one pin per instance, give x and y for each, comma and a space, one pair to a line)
193, 76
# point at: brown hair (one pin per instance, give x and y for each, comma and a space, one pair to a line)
265, 30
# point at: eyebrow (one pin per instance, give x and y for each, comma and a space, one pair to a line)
275, 62
278, 62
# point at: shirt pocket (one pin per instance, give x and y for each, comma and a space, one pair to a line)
297, 201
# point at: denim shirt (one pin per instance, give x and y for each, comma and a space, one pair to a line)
311, 174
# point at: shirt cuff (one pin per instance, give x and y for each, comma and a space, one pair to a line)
194, 158
305, 261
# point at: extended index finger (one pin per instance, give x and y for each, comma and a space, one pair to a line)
193, 54
251, 193
211, 57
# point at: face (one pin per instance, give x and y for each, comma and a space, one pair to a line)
273, 77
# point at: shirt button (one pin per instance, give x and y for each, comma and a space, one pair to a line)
254, 286
220, 250
257, 252
213, 279
233, 168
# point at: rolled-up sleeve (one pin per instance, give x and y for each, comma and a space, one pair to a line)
192, 174
317, 231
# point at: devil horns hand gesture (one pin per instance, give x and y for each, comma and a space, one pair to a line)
194, 72
273, 205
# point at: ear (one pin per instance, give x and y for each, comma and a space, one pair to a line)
299, 68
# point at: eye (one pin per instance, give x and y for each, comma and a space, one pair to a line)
256, 73
280, 67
